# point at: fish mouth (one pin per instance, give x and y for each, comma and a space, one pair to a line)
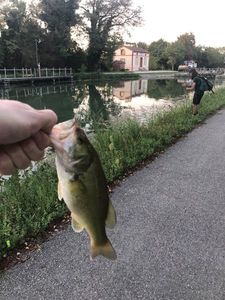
60, 132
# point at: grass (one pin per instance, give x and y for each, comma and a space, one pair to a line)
29, 204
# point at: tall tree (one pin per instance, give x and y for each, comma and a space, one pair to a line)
101, 18
59, 16
158, 53
112, 44
187, 41
175, 53
18, 35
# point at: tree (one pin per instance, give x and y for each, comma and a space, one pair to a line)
214, 57
18, 35
187, 43
112, 44
158, 53
175, 53
143, 45
59, 16
102, 18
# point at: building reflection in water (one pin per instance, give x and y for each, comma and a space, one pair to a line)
130, 89
136, 102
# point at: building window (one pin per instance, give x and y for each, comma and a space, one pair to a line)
122, 52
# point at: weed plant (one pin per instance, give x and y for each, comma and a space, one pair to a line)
27, 206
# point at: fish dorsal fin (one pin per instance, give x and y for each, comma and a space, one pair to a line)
111, 216
77, 227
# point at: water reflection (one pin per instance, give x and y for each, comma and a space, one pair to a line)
143, 98
97, 107
99, 103
129, 89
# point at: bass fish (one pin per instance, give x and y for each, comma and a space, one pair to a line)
82, 185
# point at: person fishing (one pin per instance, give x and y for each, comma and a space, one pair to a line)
197, 88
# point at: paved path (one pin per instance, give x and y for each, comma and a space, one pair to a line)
170, 236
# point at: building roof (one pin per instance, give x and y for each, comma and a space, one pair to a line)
136, 49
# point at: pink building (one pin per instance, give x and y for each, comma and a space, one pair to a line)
134, 58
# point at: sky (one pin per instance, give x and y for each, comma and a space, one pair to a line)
168, 19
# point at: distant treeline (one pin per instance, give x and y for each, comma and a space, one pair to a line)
164, 55
47, 32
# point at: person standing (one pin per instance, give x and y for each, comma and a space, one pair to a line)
197, 88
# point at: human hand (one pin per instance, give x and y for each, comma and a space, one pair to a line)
24, 134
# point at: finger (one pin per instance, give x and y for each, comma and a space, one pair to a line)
32, 151
16, 104
17, 155
42, 140
6, 165
47, 120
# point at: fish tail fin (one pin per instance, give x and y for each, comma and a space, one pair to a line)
106, 250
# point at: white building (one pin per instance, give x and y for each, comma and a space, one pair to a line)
135, 59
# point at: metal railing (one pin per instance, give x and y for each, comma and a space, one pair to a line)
35, 72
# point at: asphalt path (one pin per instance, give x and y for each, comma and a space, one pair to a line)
170, 235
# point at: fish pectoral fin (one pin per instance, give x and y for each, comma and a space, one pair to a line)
111, 216
59, 192
105, 250
77, 227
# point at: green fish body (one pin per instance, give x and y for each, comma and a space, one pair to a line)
82, 185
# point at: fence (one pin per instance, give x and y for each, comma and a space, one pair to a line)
35, 73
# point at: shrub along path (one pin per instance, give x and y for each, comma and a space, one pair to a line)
170, 236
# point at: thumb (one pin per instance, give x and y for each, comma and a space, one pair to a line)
48, 119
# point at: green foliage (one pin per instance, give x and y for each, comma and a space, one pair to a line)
158, 52
23, 27
114, 41
58, 16
165, 55
27, 206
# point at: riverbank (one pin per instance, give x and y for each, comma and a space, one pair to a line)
59, 75
105, 75
27, 206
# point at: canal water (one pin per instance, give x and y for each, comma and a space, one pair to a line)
101, 102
